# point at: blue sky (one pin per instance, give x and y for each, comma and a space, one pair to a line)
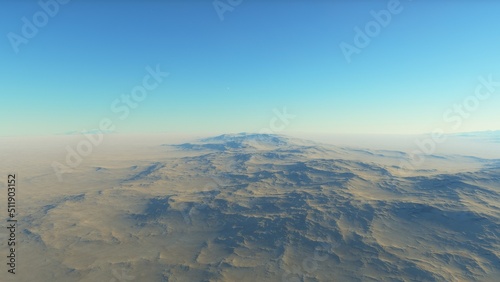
229, 75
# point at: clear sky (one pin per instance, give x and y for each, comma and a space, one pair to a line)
229, 75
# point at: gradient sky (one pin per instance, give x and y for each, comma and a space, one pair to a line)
228, 76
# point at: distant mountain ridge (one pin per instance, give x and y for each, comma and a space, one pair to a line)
251, 141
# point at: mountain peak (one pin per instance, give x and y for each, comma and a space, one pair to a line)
238, 141
271, 139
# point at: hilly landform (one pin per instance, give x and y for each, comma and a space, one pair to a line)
262, 207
